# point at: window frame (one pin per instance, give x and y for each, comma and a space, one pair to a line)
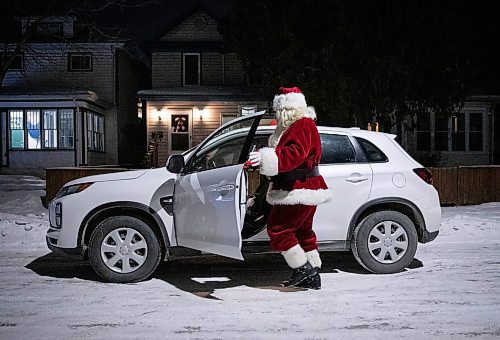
467, 130
41, 129
95, 137
41, 34
80, 54
355, 148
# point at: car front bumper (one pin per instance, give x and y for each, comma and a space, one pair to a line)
76, 253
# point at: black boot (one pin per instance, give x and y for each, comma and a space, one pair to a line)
301, 274
312, 283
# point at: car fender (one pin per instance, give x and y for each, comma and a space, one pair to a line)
127, 205
417, 217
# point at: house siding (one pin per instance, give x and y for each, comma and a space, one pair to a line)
234, 74
200, 128
197, 27
211, 66
47, 66
166, 69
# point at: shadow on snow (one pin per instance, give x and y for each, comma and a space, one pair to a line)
264, 271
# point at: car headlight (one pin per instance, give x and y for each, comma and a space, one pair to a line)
72, 189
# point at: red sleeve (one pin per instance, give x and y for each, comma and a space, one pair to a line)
296, 145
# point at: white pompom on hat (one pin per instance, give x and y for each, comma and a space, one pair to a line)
289, 98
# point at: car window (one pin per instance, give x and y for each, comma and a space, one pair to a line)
373, 153
224, 154
336, 149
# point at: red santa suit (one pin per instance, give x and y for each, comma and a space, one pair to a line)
296, 188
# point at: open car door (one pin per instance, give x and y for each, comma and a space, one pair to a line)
210, 193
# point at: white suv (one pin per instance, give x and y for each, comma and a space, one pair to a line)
384, 204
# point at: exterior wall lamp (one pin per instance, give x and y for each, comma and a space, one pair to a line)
158, 111
139, 109
201, 113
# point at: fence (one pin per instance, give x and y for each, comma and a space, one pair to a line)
467, 184
456, 185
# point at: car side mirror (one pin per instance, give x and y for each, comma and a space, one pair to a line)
175, 163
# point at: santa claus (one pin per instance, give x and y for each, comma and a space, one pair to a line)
296, 188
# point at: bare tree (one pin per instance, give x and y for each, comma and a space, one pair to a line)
21, 20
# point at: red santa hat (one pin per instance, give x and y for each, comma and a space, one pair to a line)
289, 98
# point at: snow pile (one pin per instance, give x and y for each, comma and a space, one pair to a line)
23, 219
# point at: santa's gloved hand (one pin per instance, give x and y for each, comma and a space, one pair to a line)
254, 159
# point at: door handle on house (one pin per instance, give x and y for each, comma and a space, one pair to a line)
356, 179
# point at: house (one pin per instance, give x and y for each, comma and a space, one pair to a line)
466, 137
69, 100
197, 85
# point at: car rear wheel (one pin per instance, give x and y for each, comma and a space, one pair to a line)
385, 242
124, 249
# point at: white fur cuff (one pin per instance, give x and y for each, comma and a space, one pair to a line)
269, 162
295, 256
299, 196
313, 258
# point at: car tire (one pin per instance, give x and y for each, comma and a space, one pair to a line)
124, 249
385, 242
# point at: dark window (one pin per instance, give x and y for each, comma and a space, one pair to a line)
424, 132
336, 149
441, 133
17, 63
80, 62
476, 132
192, 69
458, 132
48, 29
373, 153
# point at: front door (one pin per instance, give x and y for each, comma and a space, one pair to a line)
210, 193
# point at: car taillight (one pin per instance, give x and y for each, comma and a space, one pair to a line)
424, 174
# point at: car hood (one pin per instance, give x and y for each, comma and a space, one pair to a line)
115, 176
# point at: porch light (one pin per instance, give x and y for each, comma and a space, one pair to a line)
159, 112
201, 113
139, 109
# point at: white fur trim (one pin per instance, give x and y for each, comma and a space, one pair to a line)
289, 101
313, 258
295, 257
269, 162
299, 196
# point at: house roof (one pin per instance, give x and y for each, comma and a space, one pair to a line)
27, 93
202, 93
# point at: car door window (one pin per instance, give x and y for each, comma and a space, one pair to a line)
336, 149
373, 153
224, 154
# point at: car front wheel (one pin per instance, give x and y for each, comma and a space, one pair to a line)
124, 249
385, 242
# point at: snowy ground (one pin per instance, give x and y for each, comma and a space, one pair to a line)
452, 289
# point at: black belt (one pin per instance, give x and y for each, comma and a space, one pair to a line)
294, 175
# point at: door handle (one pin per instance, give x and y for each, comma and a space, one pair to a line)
226, 187
357, 179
